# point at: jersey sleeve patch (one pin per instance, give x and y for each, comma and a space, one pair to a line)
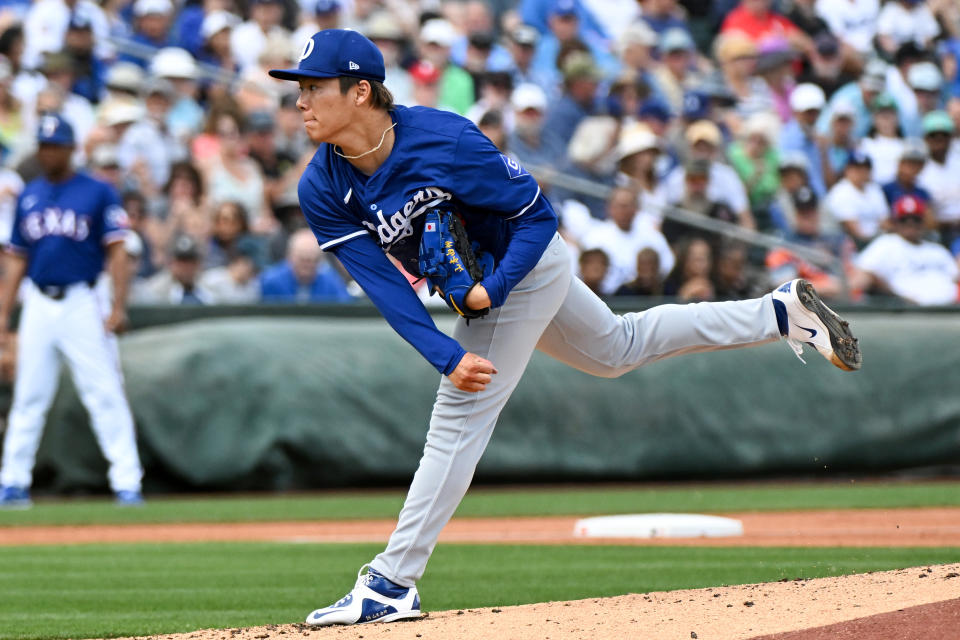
117, 218
514, 168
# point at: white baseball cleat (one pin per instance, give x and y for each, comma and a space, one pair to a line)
373, 599
813, 323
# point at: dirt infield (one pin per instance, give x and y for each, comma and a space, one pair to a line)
903, 604
934, 527
866, 607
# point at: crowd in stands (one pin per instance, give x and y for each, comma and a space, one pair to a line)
831, 125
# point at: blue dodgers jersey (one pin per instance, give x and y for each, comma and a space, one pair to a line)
439, 159
64, 227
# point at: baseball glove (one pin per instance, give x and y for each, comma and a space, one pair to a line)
450, 263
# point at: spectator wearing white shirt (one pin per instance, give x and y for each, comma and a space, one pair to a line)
723, 183
884, 144
926, 83
46, 24
853, 21
902, 263
857, 202
621, 239
235, 282
248, 40
902, 21
941, 174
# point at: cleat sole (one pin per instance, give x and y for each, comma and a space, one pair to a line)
846, 349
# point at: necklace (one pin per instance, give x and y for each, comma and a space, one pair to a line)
366, 153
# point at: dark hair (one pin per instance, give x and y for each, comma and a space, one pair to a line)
225, 105
240, 210
587, 254
380, 96
185, 168
7, 39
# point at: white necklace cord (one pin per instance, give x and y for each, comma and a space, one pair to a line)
366, 153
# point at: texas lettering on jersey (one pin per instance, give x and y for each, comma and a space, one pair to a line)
55, 222
399, 225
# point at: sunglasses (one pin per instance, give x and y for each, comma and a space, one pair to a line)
911, 218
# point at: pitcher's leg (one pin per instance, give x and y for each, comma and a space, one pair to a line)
38, 372
96, 374
587, 335
462, 422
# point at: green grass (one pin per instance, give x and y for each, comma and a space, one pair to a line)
500, 502
94, 591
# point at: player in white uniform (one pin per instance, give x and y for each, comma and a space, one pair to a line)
380, 169
66, 224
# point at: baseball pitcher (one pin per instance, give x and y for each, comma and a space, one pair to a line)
428, 188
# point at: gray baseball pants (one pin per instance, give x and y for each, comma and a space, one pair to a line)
553, 311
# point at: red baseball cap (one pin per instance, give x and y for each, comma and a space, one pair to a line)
424, 72
909, 206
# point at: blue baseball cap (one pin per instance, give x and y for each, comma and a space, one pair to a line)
337, 52
53, 129
324, 7
656, 109
858, 158
564, 8
696, 105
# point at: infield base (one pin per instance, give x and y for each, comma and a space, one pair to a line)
658, 525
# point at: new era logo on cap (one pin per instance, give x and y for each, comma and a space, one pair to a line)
337, 52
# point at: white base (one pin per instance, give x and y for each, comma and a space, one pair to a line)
658, 525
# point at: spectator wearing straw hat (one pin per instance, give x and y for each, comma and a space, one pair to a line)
723, 185
382, 28
638, 152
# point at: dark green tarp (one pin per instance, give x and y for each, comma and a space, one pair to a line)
290, 403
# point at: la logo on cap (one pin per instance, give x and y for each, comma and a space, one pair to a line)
354, 66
